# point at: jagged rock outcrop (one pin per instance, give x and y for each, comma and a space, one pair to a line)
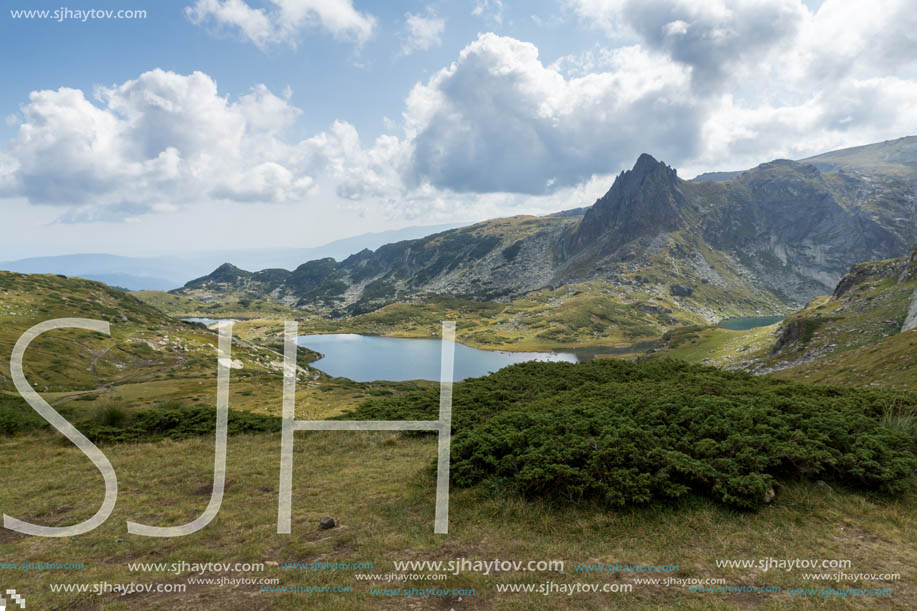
644, 201
908, 273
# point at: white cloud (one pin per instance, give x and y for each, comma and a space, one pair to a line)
286, 21
489, 9
422, 33
253, 24
500, 120
774, 79
9, 175
267, 181
714, 37
495, 132
160, 140
740, 135
842, 39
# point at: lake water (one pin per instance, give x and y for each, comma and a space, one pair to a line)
743, 324
365, 358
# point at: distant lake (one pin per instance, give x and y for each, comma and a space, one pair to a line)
366, 358
743, 324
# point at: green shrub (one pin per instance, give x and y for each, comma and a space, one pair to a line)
379, 392
17, 416
172, 420
111, 415
113, 423
633, 433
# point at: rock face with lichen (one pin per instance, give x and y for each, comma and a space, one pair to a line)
764, 240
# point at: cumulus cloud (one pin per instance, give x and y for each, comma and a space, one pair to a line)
286, 20
422, 32
713, 38
773, 78
740, 135
500, 120
159, 141
9, 175
843, 40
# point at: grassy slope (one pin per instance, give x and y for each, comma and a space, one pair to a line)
391, 519
892, 157
377, 486
588, 314
149, 357
715, 346
236, 306
850, 340
888, 363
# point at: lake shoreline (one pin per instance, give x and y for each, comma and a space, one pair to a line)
368, 358
593, 348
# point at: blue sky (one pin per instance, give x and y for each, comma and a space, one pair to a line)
247, 123
41, 54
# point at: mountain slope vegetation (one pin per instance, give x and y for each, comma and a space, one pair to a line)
762, 241
860, 335
628, 433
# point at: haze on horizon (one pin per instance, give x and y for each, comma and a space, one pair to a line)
212, 125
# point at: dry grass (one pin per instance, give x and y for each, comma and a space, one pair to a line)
379, 487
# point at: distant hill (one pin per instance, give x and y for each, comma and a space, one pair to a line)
892, 158
716, 176
143, 343
169, 272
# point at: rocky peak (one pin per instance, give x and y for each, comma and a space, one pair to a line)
228, 272
647, 164
643, 201
225, 274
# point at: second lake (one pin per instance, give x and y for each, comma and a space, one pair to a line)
364, 358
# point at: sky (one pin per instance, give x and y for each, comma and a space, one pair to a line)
193, 125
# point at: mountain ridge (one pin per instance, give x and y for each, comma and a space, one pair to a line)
167, 272
767, 239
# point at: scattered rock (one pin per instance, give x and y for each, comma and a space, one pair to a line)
823, 484
326, 523
271, 563
652, 309
680, 290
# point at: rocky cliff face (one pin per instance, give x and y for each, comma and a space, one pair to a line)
768, 238
788, 225
644, 201
783, 228
872, 302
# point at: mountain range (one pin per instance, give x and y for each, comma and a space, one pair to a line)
163, 273
764, 240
